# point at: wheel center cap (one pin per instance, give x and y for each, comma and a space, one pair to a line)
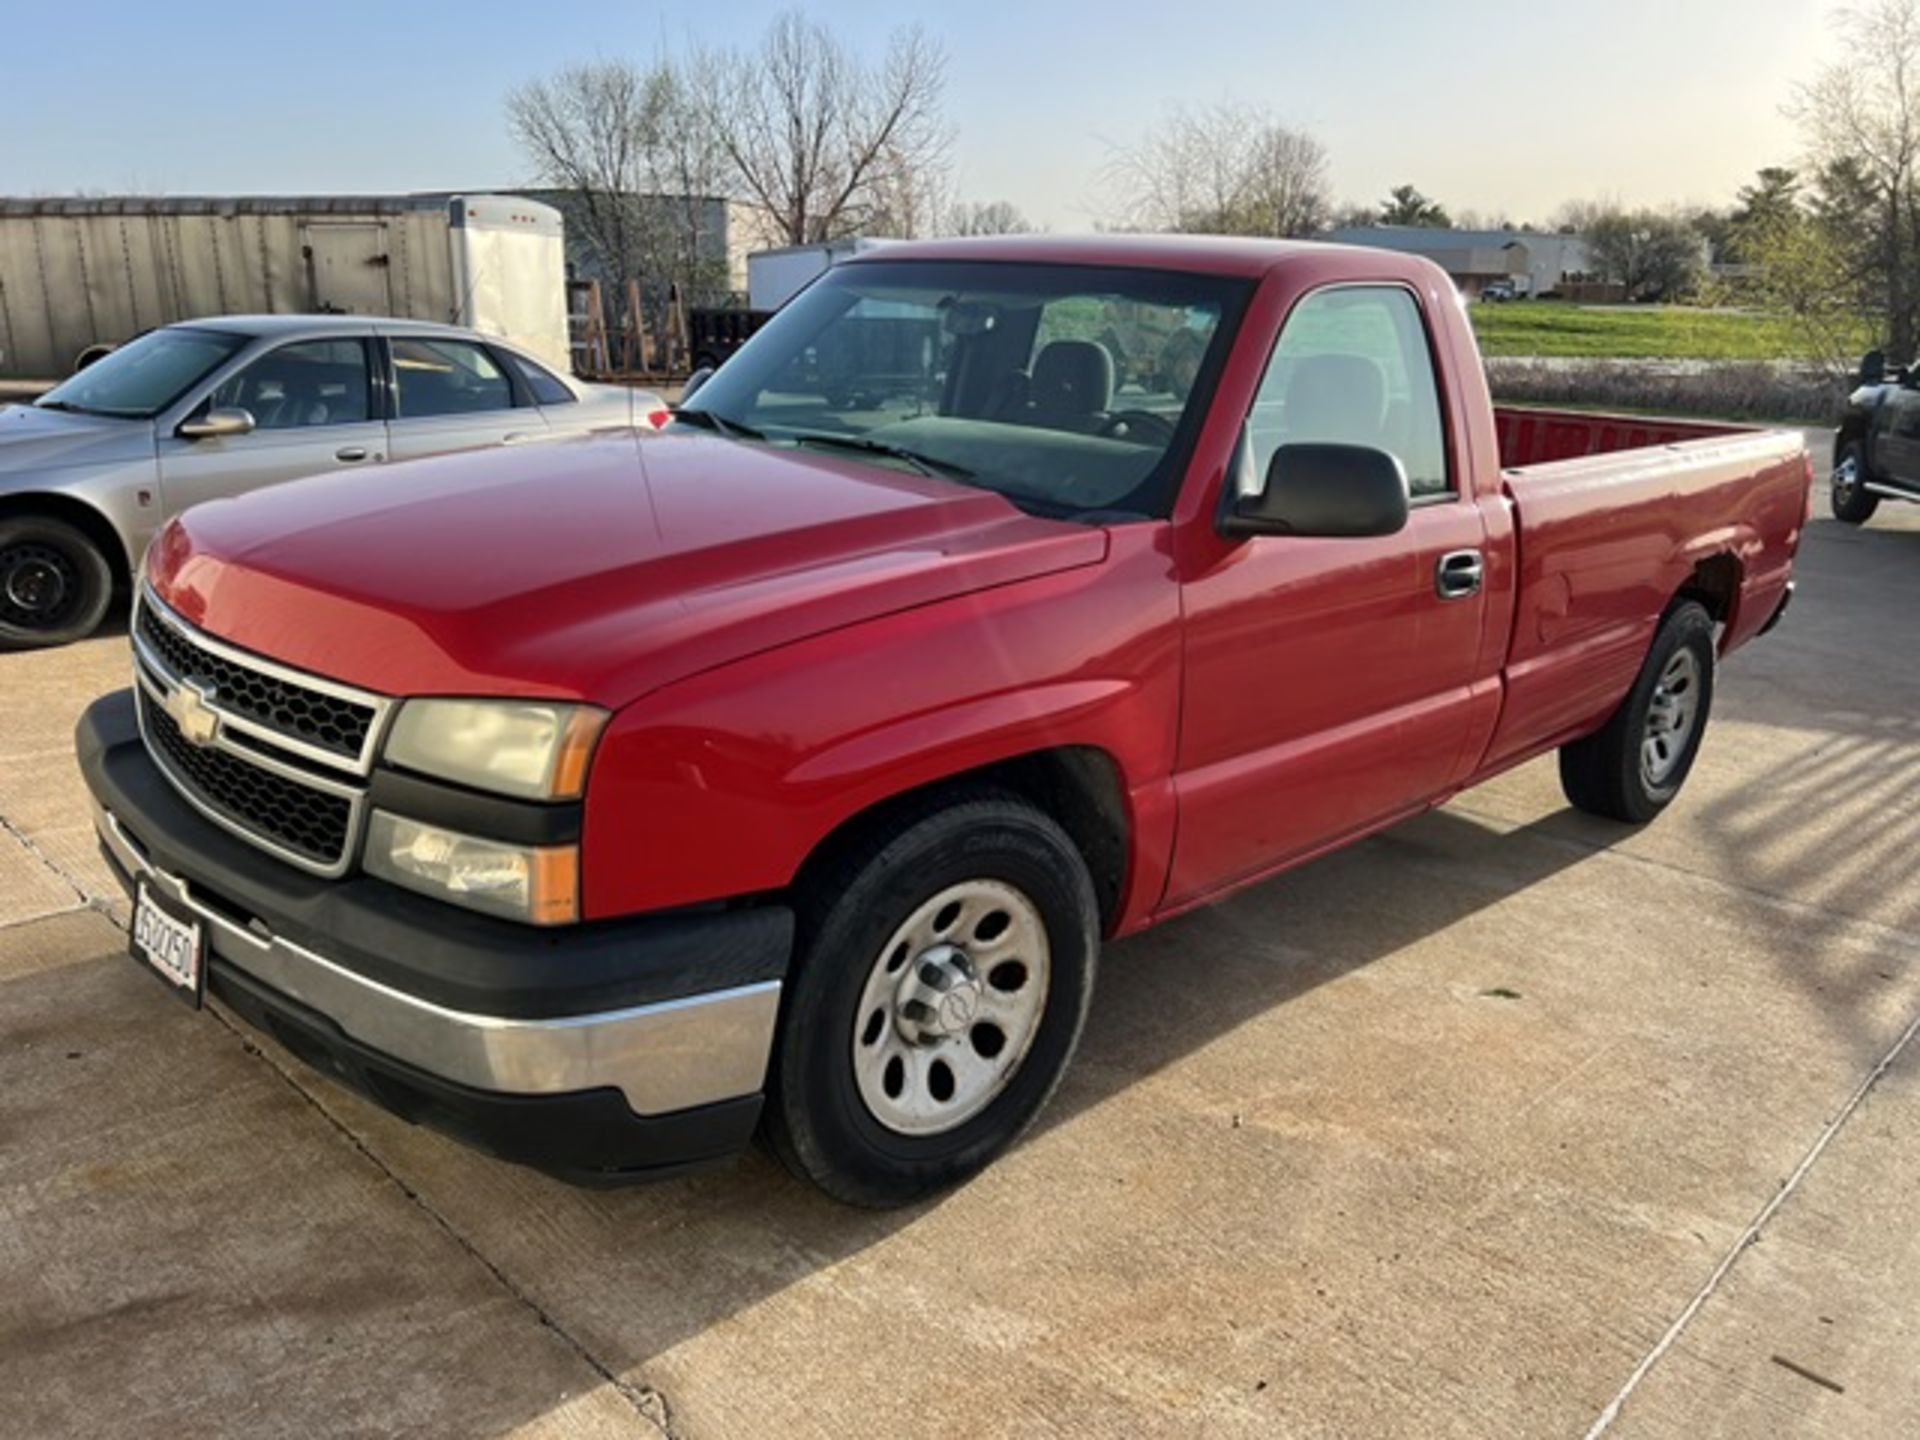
33, 585
939, 996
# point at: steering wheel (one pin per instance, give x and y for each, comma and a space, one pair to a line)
1139, 425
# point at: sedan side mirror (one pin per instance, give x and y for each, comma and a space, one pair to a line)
694, 382
216, 423
1326, 490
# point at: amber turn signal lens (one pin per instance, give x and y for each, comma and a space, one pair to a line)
576, 751
554, 897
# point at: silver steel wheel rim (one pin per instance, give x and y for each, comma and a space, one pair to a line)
951, 1007
1846, 479
1671, 715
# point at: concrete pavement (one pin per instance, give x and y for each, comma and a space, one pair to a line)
1506, 1122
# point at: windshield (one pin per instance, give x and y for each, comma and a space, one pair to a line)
1071, 390
145, 375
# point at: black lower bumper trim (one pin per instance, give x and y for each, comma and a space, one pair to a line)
587, 1137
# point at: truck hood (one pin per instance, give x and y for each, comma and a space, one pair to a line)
597, 569
36, 440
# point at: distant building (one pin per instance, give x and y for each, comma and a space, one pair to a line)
1537, 264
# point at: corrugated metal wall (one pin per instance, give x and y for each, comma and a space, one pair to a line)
75, 273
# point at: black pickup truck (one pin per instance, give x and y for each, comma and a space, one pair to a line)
1876, 455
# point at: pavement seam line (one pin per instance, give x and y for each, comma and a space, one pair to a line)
26, 920
26, 843
649, 1403
1751, 1234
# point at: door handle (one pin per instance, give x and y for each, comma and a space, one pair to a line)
1459, 574
350, 453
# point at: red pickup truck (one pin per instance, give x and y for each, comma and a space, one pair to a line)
608, 801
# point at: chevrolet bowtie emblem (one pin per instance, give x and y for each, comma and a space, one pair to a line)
197, 720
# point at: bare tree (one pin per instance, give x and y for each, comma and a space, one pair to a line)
1229, 170
1651, 256
688, 179
1863, 112
991, 217
636, 174
822, 142
587, 131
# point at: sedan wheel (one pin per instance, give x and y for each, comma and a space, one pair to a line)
54, 583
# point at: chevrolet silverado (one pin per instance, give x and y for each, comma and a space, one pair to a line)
608, 803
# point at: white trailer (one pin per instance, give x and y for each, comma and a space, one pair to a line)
776, 276
77, 275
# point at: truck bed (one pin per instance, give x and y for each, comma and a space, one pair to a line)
1537, 437
1614, 515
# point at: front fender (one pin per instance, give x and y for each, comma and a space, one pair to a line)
723, 784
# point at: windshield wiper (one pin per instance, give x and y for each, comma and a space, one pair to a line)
925, 464
66, 405
719, 424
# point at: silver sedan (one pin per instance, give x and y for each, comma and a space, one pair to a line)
211, 408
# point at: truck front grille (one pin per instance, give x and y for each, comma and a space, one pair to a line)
276, 756
294, 816
331, 722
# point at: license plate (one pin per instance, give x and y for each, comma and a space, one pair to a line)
176, 948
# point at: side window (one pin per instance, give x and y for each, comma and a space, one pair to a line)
311, 382
1353, 367
547, 389
447, 377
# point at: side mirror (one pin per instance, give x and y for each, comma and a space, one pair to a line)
694, 382
216, 423
1324, 490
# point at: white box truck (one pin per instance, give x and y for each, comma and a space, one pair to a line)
78, 276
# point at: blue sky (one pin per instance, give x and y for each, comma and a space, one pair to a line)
1515, 106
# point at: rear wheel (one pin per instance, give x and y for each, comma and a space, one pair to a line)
945, 972
55, 585
1852, 501
1632, 767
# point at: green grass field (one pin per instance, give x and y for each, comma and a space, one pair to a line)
1635, 332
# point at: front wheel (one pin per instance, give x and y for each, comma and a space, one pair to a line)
945, 973
1852, 501
55, 585
1633, 766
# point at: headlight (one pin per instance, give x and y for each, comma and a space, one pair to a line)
527, 748
534, 883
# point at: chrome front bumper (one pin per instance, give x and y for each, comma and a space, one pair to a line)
664, 1057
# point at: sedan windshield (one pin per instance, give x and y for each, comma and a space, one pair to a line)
145, 375
1071, 390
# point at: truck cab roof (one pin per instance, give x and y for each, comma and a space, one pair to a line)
1199, 254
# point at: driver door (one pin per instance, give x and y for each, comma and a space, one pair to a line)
314, 410
1329, 682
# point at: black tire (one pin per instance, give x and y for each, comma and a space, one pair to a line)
55, 585
817, 1121
1609, 773
1852, 501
